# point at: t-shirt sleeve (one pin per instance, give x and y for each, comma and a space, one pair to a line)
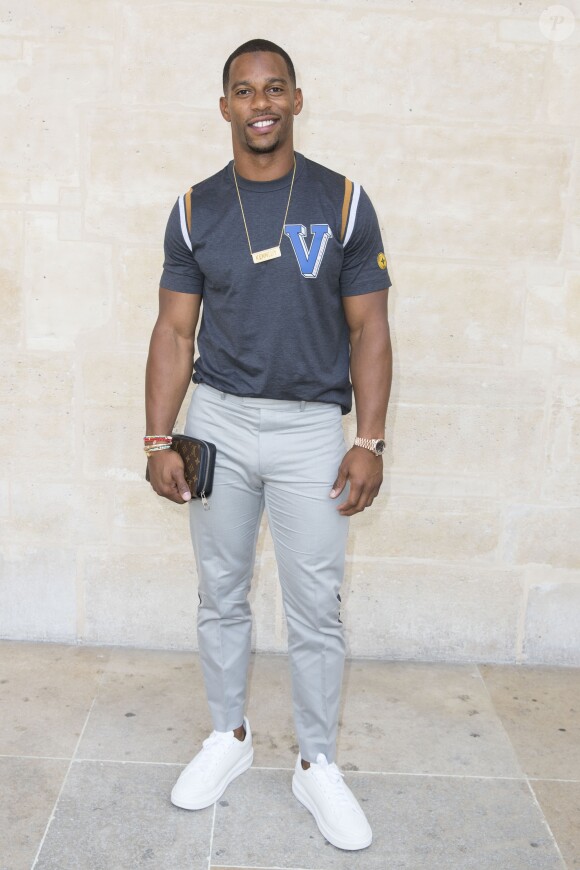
180, 269
364, 267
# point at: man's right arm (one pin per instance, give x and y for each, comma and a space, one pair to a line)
169, 368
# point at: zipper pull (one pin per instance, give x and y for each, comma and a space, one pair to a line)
204, 501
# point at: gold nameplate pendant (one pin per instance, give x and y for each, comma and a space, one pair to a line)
268, 254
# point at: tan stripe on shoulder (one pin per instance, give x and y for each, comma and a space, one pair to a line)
345, 206
188, 209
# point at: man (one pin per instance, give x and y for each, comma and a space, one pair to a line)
288, 260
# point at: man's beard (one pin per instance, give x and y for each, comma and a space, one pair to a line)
266, 149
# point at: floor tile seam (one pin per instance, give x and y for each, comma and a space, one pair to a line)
255, 867
37, 757
65, 777
547, 824
552, 779
571, 781
500, 720
354, 773
81, 758
211, 836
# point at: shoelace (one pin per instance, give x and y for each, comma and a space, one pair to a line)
331, 780
213, 747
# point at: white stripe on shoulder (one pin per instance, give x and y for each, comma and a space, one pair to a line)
352, 215
184, 232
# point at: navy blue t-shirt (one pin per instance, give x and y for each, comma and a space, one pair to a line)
275, 329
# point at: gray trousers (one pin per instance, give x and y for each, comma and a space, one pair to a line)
282, 456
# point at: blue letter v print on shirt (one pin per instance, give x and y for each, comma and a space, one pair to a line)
309, 260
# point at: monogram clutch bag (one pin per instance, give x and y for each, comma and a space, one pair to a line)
198, 464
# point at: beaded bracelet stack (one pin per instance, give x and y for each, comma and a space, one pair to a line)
155, 443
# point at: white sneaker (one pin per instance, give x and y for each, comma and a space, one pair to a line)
206, 777
337, 812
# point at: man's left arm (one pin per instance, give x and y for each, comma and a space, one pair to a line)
371, 366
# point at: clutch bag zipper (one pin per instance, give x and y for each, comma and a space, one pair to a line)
202, 495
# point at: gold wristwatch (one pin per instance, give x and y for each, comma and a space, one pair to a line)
375, 445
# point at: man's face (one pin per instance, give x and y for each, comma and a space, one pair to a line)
261, 102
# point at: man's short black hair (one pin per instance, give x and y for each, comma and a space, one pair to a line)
255, 45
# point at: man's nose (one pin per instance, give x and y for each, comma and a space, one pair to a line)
261, 101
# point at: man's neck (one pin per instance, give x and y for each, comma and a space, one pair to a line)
264, 167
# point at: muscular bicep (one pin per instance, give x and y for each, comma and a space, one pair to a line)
366, 310
178, 312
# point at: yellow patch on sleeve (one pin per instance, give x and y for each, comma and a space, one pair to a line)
382, 261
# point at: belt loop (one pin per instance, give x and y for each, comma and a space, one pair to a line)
302, 405
222, 395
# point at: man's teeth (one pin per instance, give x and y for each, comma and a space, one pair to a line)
263, 123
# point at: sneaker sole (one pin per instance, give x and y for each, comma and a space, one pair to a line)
242, 765
301, 795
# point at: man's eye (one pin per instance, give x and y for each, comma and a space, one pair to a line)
242, 92
277, 90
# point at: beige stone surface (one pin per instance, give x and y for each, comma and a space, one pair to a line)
432, 718
571, 318
61, 22
551, 620
562, 479
34, 783
548, 535
545, 315
139, 598
430, 177
468, 315
424, 747
114, 380
28, 457
113, 444
487, 386
461, 439
4, 499
133, 187
461, 122
560, 803
137, 293
421, 610
537, 707
68, 285
11, 301
37, 378
564, 74
142, 519
45, 92
427, 528
57, 514
38, 592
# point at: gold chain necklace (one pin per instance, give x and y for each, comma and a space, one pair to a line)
268, 253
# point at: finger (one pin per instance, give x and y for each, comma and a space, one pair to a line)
171, 491
354, 496
338, 485
181, 485
173, 495
361, 496
355, 509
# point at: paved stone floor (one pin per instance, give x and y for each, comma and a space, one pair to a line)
457, 766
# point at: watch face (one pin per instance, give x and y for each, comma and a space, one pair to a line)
380, 447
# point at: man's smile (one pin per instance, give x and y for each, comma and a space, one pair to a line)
263, 124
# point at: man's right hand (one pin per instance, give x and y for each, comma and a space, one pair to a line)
166, 476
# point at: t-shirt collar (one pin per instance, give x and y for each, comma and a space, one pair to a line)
265, 186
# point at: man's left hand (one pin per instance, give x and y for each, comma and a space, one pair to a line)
364, 472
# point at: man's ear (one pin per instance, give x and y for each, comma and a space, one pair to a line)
298, 101
224, 109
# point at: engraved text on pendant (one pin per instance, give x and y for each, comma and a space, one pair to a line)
267, 254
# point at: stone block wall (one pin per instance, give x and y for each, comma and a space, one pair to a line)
461, 120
